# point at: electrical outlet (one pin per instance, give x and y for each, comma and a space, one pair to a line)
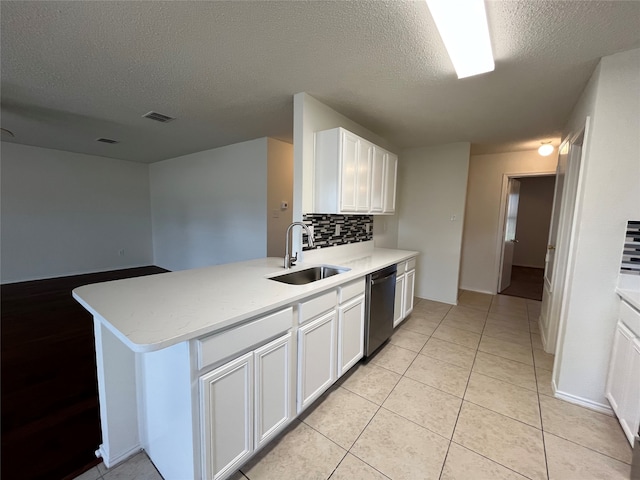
275, 213
337, 230
121, 252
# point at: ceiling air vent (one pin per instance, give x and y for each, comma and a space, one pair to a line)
106, 140
158, 117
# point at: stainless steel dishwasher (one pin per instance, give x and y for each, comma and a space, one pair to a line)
380, 296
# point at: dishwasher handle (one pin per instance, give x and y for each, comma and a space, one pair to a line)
377, 281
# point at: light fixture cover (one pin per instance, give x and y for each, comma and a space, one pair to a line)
464, 30
545, 149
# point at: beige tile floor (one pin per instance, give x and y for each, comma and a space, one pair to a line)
459, 392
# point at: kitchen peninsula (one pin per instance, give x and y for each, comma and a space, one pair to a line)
201, 368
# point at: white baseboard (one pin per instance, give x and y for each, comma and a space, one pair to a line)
583, 402
488, 292
110, 461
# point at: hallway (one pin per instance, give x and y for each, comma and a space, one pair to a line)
526, 282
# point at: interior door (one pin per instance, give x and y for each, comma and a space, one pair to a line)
561, 171
509, 240
560, 237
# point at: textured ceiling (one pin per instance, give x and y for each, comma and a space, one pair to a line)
74, 71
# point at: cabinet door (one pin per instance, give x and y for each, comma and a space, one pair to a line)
316, 358
377, 179
390, 177
272, 388
226, 397
349, 172
619, 368
398, 306
365, 156
350, 334
630, 409
410, 280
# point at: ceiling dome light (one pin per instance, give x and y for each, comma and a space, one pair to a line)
545, 149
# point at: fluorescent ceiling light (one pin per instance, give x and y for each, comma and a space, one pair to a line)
464, 30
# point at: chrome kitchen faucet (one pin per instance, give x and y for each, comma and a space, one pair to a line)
288, 260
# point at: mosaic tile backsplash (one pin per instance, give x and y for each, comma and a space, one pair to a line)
352, 229
631, 252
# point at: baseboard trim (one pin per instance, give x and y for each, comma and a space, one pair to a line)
111, 461
582, 402
477, 291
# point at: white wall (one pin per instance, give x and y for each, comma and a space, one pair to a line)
609, 196
310, 116
480, 258
431, 191
67, 213
534, 219
209, 208
279, 189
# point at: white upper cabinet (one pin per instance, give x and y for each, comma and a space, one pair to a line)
377, 180
350, 155
352, 175
390, 179
363, 197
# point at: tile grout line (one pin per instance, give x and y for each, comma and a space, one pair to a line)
382, 403
402, 375
492, 460
588, 448
535, 374
455, 425
365, 427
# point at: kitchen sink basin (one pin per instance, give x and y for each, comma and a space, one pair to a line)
309, 275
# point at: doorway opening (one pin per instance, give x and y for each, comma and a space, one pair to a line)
528, 205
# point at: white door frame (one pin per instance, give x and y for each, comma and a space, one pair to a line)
565, 251
502, 218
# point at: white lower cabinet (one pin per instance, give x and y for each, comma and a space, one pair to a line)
622, 389
244, 403
350, 334
272, 388
398, 306
227, 416
316, 358
405, 290
630, 418
409, 288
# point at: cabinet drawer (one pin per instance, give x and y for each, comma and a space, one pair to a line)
411, 264
350, 290
314, 307
630, 317
223, 345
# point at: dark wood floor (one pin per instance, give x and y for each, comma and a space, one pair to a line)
50, 417
526, 282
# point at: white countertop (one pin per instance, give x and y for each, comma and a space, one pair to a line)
154, 312
632, 297
629, 289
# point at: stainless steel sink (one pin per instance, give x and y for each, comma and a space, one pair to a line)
309, 275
